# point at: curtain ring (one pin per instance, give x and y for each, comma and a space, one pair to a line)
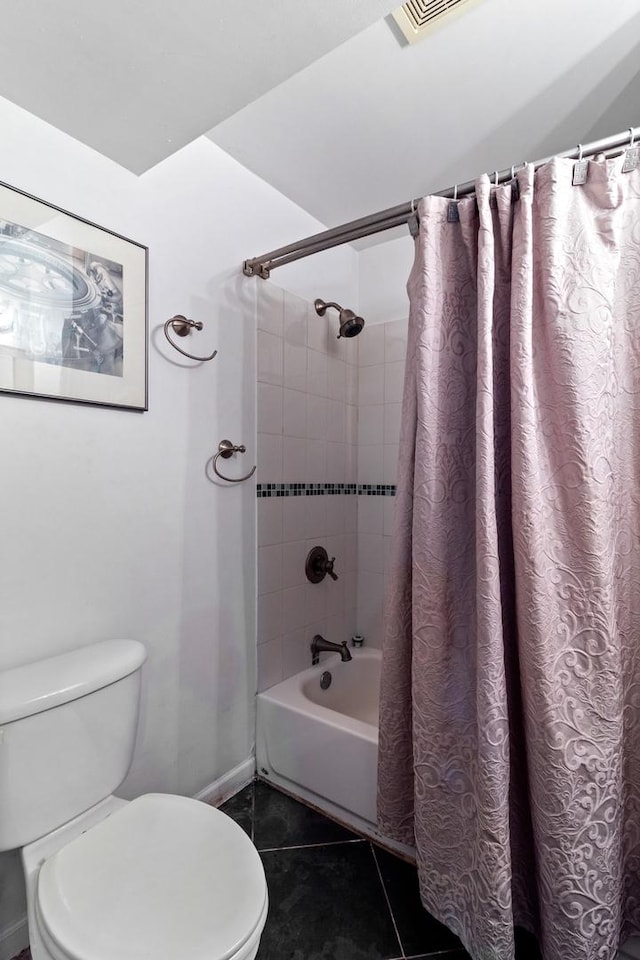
495, 182
579, 151
455, 191
631, 137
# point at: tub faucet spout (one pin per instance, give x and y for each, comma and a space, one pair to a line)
319, 645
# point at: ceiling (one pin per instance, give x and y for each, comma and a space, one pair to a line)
138, 79
373, 124
321, 100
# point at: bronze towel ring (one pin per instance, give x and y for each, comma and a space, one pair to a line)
226, 449
183, 328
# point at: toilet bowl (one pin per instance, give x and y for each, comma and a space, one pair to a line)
161, 877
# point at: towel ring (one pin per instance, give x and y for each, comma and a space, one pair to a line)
226, 449
183, 328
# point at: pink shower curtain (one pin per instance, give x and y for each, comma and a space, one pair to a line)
510, 711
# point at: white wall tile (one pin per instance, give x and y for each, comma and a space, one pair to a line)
294, 608
269, 458
390, 463
387, 555
335, 596
336, 512
351, 423
269, 616
269, 520
395, 342
294, 557
317, 419
270, 308
269, 358
294, 467
316, 517
295, 367
270, 664
336, 421
371, 345
270, 404
370, 423
318, 331
347, 347
393, 381
352, 463
370, 600
350, 550
370, 514
296, 655
294, 415
269, 568
317, 376
370, 463
316, 470
316, 601
294, 518
336, 468
388, 514
371, 381
352, 380
392, 420
337, 379
295, 320
371, 552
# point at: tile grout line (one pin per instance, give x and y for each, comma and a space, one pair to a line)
310, 846
386, 896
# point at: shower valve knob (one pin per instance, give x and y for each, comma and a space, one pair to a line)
318, 565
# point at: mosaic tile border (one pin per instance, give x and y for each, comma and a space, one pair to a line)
325, 489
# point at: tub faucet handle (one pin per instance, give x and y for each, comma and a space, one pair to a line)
329, 568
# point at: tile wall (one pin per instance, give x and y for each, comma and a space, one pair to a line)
307, 433
381, 361
328, 413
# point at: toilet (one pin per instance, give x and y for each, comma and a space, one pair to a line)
161, 876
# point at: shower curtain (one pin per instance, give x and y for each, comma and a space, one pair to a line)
510, 701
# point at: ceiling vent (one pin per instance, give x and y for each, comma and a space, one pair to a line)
418, 18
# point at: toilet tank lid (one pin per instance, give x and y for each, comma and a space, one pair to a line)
39, 686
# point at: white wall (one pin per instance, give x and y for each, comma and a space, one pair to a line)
110, 524
383, 273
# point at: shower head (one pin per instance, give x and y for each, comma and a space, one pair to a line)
350, 323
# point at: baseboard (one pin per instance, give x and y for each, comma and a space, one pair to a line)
14, 938
225, 786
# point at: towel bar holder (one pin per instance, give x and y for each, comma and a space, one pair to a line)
226, 449
183, 327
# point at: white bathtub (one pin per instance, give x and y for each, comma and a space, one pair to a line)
322, 745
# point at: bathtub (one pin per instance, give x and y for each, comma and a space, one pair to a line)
322, 745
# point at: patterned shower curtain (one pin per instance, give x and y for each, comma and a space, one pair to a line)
510, 702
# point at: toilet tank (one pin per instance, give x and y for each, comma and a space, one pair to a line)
67, 732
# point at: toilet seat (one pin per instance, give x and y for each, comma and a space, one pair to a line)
163, 877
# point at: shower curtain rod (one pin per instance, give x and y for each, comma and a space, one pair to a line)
396, 216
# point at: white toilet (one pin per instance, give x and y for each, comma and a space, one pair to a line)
162, 876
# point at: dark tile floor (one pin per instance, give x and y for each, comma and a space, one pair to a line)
333, 895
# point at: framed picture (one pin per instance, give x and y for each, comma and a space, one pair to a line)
73, 307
